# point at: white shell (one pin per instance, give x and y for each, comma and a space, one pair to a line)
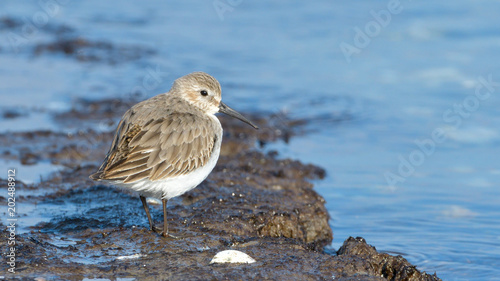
232, 256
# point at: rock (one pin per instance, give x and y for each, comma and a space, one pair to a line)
390, 267
252, 202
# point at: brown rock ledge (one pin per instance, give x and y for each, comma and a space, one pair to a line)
252, 202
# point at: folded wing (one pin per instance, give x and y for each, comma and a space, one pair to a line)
162, 148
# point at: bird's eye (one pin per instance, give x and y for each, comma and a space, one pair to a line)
204, 93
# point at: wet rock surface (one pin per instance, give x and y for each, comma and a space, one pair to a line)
253, 202
61, 39
89, 51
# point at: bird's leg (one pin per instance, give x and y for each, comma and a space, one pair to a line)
146, 208
165, 224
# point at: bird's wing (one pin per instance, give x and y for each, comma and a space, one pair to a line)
161, 148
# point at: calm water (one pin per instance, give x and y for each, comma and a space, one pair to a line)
414, 167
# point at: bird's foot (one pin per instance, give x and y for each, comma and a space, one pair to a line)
160, 230
156, 229
169, 235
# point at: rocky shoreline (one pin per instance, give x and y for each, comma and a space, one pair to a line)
253, 202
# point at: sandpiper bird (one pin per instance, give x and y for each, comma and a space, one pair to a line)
168, 144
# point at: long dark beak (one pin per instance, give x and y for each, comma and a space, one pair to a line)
233, 113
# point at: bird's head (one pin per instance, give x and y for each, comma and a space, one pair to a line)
204, 92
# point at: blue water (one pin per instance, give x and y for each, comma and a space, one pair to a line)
408, 78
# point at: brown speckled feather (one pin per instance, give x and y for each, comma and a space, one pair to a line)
158, 144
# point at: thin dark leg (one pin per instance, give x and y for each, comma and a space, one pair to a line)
165, 225
146, 208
